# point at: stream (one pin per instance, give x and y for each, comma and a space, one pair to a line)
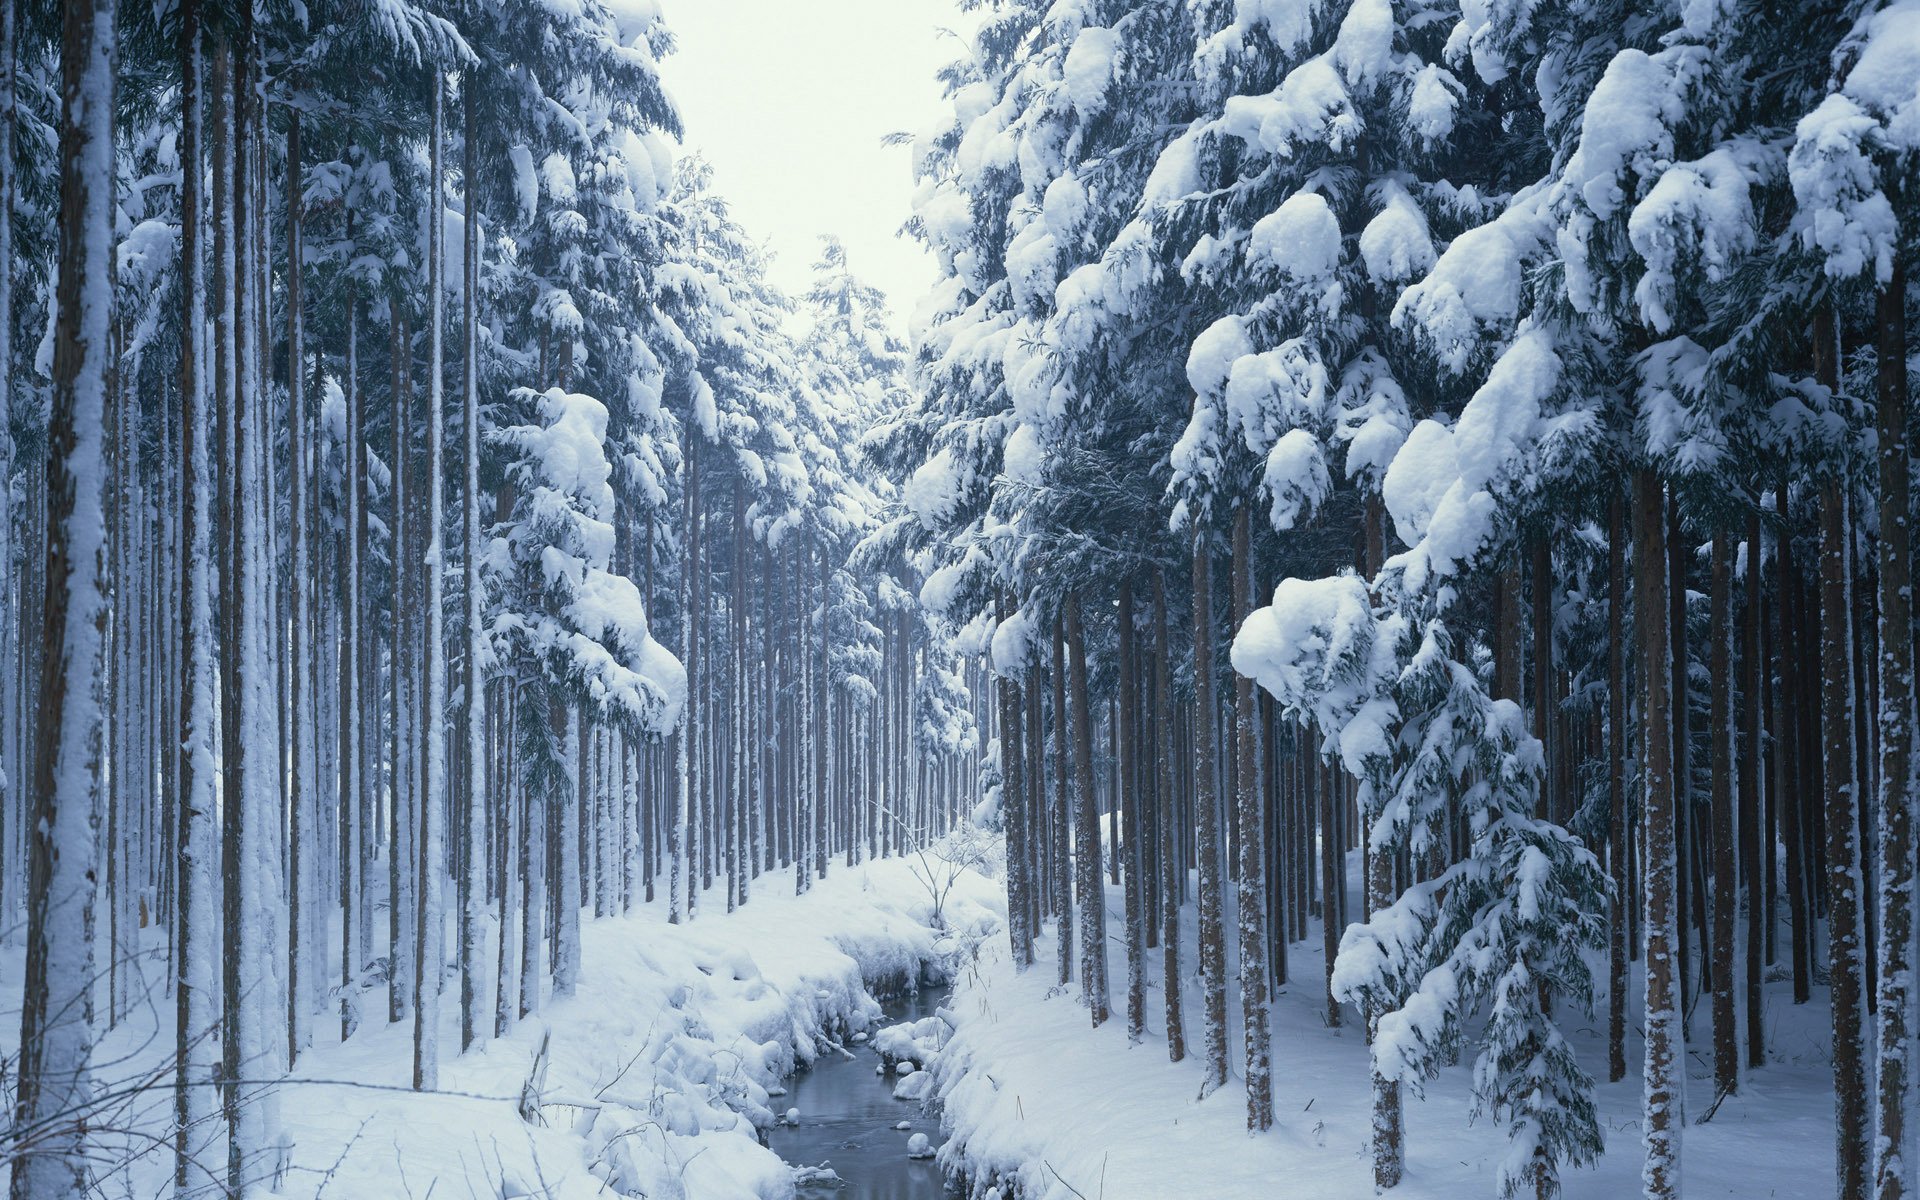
848, 1117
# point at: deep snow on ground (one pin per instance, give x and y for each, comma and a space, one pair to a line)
657, 1070
1036, 1096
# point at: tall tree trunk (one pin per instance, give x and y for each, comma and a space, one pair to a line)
1892, 1172
1131, 801
1093, 901
1756, 842
1056, 819
430, 921
1726, 1041
1844, 966
1389, 1132
1252, 847
198, 1127
1789, 738
302, 809
1619, 977
1017, 811
473, 708
1213, 948
1171, 865
1661, 1120
54, 1091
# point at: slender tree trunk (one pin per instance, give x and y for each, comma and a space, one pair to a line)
53, 1093
1661, 1121
198, 1124
1726, 1041
1619, 977
1842, 813
1056, 819
302, 811
1756, 843
1171, 865
1252, 847
1892, 1172
1093, 901
1016, 808
1788, 740
1213, 951
430, 922
1132, 801
473, 709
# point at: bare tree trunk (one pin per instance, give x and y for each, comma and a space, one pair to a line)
1619, 977
1787, 740
1132, 801
1017, 812
1171, 866
1842, 811
302, 811
1892, 1172
1661, 1121
1252, 846
1093, 901
1756, 843
430, 919
1213, 951
54, 1089
473, 709
1056, 819
1726, 1042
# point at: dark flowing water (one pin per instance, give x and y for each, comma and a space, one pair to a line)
847, 1119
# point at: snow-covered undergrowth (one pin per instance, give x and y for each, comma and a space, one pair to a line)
653, 1080
1040, 1106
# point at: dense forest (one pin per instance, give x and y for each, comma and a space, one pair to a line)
1459, 448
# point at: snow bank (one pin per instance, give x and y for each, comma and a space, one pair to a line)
655, 1079
1042, 1107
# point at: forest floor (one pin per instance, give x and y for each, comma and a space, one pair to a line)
1034, 1094
655, 1074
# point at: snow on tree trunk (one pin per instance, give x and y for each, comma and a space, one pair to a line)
473, 682
1172, 868
1842, 813
1899, 792
1619, 978
197, 1120
1662, 1118
1213, 949
1093, 901
1252, 844
302, 808
430, 921
1726, 1034
54, 1088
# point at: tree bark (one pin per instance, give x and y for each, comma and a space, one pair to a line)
1726, 1041
1252, 845
54, 1085
1893, 1179
1661, 1121
1213, 951
1618, 975
1841, 810
1171, 865
1093, 900
430, 921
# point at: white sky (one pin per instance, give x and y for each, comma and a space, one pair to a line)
789, 100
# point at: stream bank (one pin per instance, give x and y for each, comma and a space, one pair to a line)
849, 1121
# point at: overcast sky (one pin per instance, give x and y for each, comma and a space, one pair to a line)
789, 101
